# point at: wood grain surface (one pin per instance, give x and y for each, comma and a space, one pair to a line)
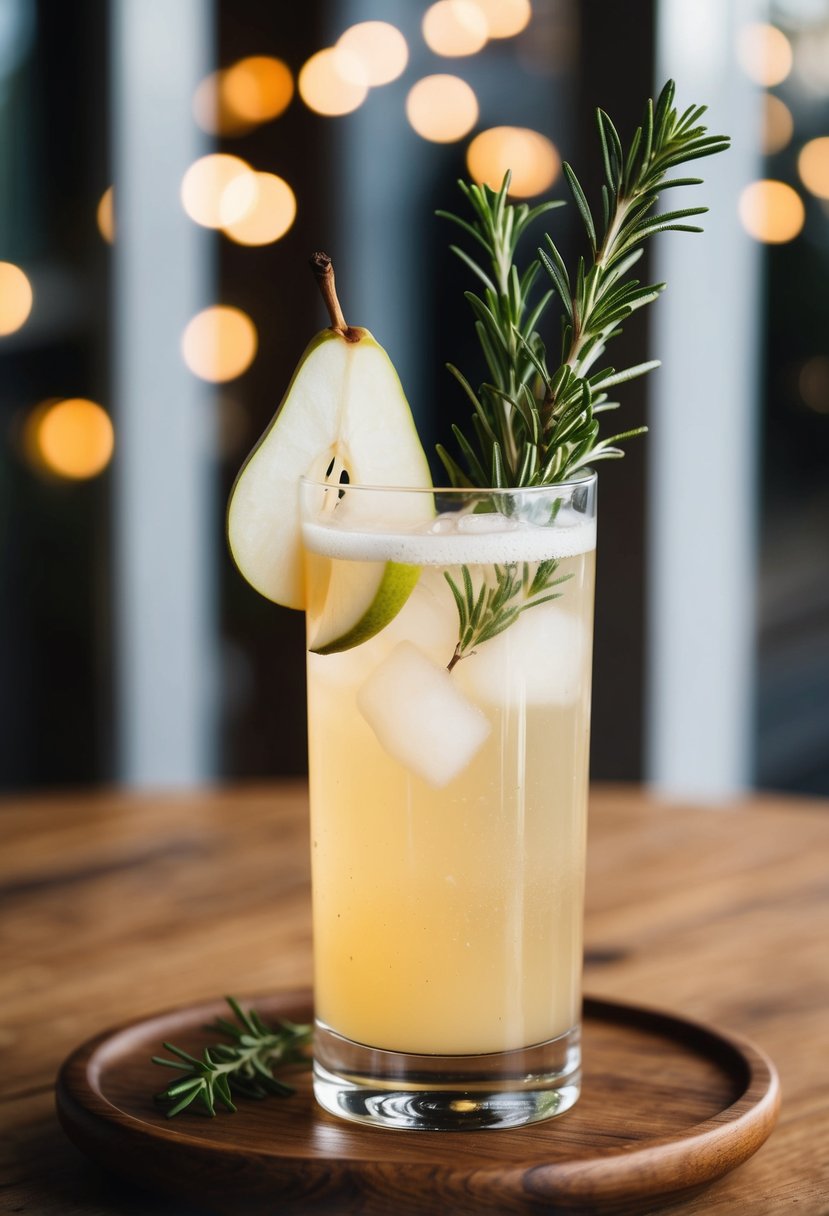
116, 905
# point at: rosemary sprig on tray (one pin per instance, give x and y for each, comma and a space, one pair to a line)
484, 613
245, 1066
536, 422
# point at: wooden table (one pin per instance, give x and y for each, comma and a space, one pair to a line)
115, 905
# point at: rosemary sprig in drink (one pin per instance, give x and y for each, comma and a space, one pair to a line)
535, 423
244, 1066
492, 608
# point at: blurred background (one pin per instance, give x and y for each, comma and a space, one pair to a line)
166, 169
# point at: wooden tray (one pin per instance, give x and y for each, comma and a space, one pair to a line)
667, 1106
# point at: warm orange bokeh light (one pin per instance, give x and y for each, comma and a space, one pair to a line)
269, 214
813, 166
454, 28
533, 159
765, 54
105, 215
219, 343
257, 89
16, 298
505, 18
204, 186
211, 111
771, 212
380, 48
778, 125
333, 82
71, 438
442, 108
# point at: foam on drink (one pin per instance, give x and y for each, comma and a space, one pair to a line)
447, 542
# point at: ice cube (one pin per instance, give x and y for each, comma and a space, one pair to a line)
540, 659
429, 615
420, 716
488, 521
441, 524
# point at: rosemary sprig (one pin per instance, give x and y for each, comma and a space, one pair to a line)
492, 608
244, 1066
537, 424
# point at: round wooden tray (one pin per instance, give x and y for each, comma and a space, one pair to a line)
667, 1106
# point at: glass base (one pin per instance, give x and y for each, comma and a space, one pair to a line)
445, 1093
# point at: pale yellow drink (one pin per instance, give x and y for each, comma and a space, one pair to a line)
448, 916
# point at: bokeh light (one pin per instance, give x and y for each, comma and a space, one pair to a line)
219, 343
204, 186
256, 89
72, 438
264, 218
771, 212
813, 166
211, 111
379, 47
813, 383
16, 298
333, 82
533, 159
442, 108
505, 18
764, 53
105, 215
778, 125
455, 27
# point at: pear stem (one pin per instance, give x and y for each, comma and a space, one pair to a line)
323, 269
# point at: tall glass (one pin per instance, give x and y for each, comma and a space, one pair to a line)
448, 760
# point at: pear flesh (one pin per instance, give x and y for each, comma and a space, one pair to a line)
344, 408
348, 589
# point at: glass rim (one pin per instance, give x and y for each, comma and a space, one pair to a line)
589, 476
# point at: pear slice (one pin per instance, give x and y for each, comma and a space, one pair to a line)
351, 591
344, 410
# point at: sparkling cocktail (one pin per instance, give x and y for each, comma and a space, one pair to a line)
448, 805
